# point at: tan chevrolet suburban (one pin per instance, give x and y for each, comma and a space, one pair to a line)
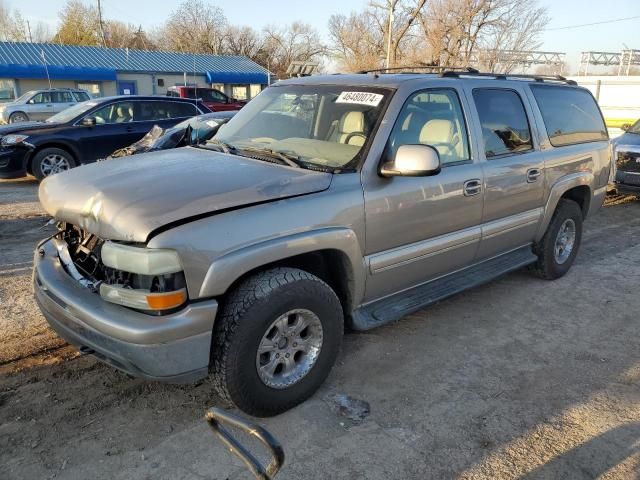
328, 201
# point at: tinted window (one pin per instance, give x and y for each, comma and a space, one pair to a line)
570, 115
433, 117
505, 128
82, 96
179, 109
62, 97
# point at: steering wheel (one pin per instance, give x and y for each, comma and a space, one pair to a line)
355, 134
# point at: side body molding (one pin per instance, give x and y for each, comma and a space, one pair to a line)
228, 268
557, 190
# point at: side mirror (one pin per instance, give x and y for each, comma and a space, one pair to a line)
625, 126
413, 161
89, 121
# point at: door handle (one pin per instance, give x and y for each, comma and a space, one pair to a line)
533, 174
472, 187
129, 129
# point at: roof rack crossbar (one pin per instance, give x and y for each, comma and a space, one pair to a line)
506, 76
436, 68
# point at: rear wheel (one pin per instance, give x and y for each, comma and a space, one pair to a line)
17, 117
276, 340
559, 246
50, 161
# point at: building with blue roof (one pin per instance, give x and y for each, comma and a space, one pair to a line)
121, 71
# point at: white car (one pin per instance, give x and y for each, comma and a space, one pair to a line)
41, 104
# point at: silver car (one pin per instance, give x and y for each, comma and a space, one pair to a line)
326, 201
41, 104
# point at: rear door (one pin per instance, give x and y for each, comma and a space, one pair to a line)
513, 167
62, 100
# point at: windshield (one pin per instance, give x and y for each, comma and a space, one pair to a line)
24, 97
322, 125
72, 112
635, 128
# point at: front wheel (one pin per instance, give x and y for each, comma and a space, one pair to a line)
18, 117
559, 246
276, 340
50, 161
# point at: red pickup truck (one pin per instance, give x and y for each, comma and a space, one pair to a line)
214, 99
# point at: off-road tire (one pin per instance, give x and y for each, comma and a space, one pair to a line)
36, 163
546, 266
245, 316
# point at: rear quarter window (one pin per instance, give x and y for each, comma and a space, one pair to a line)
570, 115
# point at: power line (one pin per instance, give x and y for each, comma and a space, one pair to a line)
594, 23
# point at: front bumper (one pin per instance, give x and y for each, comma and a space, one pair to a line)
173, 348
13, 162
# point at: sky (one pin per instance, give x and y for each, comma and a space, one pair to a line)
610, 37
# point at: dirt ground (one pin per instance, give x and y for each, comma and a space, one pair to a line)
520, 378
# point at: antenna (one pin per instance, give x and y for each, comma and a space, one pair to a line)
46, 69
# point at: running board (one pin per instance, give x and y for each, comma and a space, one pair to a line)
397, 306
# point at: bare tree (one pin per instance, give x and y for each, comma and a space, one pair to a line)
13, 27
295, 42
244, 41
459, 31
357, 42
126, 35
196, 27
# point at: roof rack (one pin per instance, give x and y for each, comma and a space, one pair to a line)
433, 68
507, 76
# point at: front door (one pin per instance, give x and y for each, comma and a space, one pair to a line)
513, 170
418, 228
40, 106
126, 88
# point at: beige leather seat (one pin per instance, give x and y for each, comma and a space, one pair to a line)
442, 135
124, 114
351, 122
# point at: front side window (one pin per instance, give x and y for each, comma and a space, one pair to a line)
119, 112
41, 98
570, 115
432, 117
323, 125
505, 127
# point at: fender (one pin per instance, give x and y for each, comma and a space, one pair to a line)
228, 268
558, 189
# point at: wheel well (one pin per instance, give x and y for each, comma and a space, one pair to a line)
331, 266
581, 195
50, 145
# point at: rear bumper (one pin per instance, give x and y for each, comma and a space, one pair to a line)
172, 348
13, 162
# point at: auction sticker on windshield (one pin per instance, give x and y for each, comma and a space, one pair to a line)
360, 98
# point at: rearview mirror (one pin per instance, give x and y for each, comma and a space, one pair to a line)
89, 121
625, 127
413, 161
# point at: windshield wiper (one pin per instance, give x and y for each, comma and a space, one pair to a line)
288, 158
225, 147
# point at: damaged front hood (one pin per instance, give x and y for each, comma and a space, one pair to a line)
128, 198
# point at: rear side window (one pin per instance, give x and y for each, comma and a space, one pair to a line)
179, 109
82, 96
570, 115
505, 127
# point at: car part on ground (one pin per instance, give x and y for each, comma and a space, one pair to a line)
219, 420
325, 202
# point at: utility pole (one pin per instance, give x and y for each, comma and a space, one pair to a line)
391, 4
104, 43
29, 31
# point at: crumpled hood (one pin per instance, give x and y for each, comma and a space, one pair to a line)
128, 198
